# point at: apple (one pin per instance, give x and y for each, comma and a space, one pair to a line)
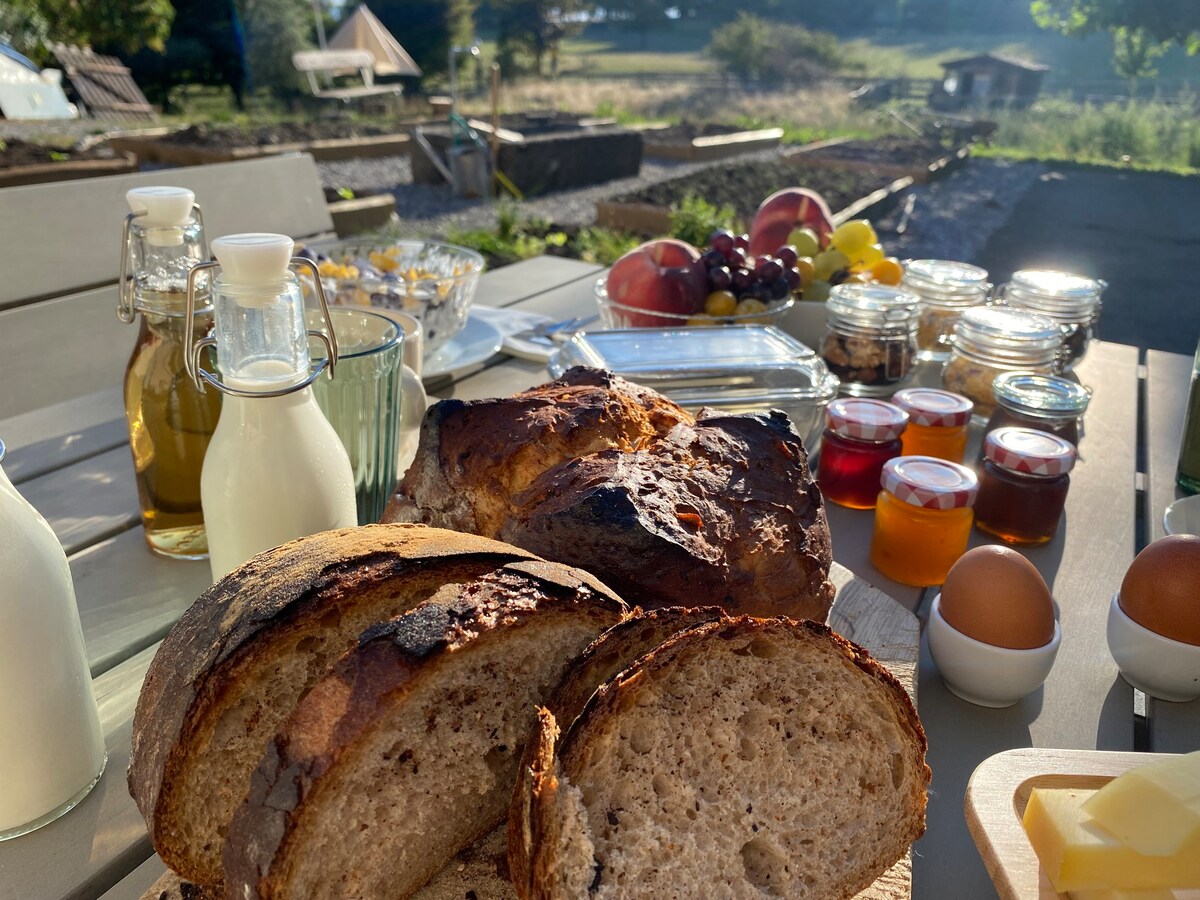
662, 276
783, 213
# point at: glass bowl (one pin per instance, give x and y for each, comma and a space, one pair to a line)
431, 281
620, 315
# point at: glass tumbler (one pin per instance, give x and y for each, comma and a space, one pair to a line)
362, 403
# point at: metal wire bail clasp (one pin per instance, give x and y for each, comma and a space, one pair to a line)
194, 350
126, 310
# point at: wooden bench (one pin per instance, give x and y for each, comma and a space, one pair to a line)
59, 251
318, 65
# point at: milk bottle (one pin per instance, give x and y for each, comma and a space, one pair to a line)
275, 469
51, 746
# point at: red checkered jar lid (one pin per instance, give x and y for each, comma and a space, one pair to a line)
1029, 452
929, 482
934, 408
866, 420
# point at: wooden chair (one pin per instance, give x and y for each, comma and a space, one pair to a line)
59, 251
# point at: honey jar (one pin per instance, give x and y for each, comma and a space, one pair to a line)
1024, 483
861, 435
937, 423
922, 519
1043, 402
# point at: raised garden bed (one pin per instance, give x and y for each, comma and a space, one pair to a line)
200, 144
893, 155
743, 186
360, 212
700, 142
22, 162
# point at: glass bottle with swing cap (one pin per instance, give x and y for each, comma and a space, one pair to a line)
275, 470
170, 421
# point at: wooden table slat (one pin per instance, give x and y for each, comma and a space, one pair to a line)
53, 437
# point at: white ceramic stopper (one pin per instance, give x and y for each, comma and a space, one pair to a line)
165, 211
253, 259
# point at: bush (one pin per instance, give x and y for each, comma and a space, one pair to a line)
756, 49
694, 219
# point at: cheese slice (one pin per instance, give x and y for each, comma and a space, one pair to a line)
1077, 854
1155, 808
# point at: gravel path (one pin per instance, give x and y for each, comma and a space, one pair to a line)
951, 218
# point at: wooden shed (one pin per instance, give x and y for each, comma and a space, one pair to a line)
989, 79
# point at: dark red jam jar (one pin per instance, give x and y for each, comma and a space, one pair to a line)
860, 436
1023, 484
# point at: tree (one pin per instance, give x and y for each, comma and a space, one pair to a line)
204, 48
531, 30
757, 49
428, 28
1162, 21
1134, 54
124, 26
272, 30
23, 26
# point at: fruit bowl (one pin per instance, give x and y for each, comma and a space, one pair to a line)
620, 315
431, 281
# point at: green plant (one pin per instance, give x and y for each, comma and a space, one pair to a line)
603, 246
752, 47
694, 219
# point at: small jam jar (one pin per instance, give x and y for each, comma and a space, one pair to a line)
870, 340
945, 289
923, 519
860, 436
937, 423
1024, 484
1073, 301
989, 340
1044, 402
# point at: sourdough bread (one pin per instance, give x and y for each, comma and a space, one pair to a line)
595, 472
753, 757
406, 751
232, 668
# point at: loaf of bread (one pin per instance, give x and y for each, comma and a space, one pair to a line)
767, 757
598, 473
406, 751
234, 666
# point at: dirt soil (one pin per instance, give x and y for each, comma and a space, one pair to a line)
745, 185
893, 150
223, 138
686, 132
16, 152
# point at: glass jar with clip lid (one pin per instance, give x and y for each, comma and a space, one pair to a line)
870, 340
275, 470
946, 288
170, 421
1073, 301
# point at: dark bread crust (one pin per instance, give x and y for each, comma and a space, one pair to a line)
563, 757
617, 648
595, 472
391, 660
281, 591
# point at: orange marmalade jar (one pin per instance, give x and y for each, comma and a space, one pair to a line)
937, 423
922, 519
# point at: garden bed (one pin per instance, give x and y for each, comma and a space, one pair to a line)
892, 155
200, 144
700, 142
743, 186
22, 162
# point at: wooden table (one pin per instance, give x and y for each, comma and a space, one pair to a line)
72, 462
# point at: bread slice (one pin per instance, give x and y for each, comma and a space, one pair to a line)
618, 647
407, 750
232, 668
743, 758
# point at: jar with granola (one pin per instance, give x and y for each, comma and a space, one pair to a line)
870, 340
945, 289
1073, 301
989, 340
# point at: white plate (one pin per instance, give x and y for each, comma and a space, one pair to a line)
1183, 516
478, 340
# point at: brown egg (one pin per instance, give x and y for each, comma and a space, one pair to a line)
1161, 590
996, 596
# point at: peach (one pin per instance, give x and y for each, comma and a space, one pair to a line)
785, 211
662, 276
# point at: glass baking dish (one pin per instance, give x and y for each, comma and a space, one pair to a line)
736, 368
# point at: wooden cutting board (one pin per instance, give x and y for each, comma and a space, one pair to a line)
995, 803
861, 613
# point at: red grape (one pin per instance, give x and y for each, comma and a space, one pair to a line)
742, 279
736, 257
721, 241
742, 242
793, 278
720, 278
768, 269
787, 255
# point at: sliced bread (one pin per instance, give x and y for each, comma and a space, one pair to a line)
407, 750
743, 758
232, 668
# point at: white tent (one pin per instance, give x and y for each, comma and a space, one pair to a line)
362, 31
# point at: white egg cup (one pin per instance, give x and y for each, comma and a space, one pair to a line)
982, 673
1159, 666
